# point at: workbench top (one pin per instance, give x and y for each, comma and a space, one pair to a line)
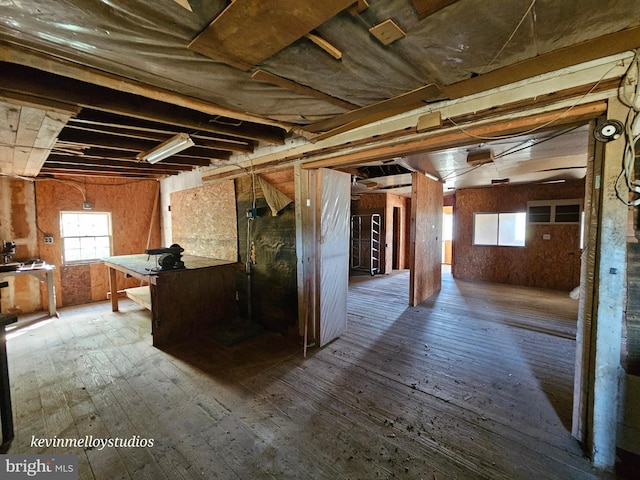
144, 264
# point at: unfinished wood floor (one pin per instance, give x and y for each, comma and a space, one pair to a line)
473, 384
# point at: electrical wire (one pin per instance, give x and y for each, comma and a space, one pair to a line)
539, 127
533, 2
631, 132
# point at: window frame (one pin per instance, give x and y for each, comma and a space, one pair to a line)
497, 233
63, 237
552, 204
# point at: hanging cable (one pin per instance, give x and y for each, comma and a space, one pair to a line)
630, 99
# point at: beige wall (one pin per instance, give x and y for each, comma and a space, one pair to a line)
552, 263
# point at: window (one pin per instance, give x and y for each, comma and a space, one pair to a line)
502, 229
555, 211
85, 236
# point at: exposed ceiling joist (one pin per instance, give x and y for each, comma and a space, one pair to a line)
378, 111
21, 79
76, 70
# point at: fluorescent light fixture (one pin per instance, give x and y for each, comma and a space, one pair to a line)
175, 144
432, 177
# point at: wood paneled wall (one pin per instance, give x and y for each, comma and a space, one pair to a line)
135, 222
553, 263
426, 238
204, 221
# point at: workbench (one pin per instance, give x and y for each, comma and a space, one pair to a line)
182, 301
42, 273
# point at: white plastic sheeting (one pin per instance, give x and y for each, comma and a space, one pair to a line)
333, 252
148, 42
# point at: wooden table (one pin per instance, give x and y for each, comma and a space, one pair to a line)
42, 273
183, 301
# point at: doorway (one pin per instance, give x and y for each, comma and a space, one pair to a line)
447, 235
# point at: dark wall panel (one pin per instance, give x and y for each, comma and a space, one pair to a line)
273, 279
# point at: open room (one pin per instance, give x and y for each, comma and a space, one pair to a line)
343, 239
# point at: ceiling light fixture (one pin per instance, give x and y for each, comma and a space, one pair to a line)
175, 144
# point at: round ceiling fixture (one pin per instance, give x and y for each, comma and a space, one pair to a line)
609, 130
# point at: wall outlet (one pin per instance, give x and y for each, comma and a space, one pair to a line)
48, 239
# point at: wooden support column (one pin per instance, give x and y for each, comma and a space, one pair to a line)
600, 371
426, 238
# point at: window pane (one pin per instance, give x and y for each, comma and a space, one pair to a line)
512, 229
540, 214
72, 255
69, 225
71, 243
567, 213
86, 236
485, 228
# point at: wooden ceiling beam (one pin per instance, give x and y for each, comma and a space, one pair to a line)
25, 80
377, 111
97, 117
200, 140
114, 167
137, 145
439, 140
75, 69
71, 160
96, 173
107, 155
604, 46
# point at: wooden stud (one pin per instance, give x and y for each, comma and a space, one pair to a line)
324, 45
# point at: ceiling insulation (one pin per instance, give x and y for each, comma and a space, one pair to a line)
243, 74
149, 42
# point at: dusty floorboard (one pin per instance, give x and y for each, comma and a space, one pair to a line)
474, 383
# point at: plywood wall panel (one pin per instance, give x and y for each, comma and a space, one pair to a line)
204, 221
426, 238
135, 223
553, 263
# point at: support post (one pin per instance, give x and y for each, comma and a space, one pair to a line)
609, 303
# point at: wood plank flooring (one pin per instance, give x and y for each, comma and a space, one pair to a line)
475, 383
